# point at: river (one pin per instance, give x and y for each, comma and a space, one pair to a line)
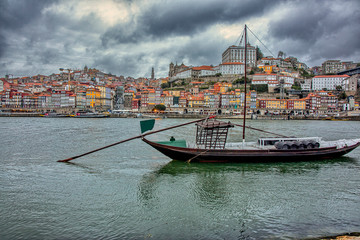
131, 191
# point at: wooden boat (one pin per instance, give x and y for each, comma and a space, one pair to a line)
211, 146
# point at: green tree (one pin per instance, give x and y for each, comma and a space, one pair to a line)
241, 80
160, 107
342, 96
259, 54
296, 86
165, 85
259, 88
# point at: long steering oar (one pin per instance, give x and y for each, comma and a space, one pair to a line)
129, 139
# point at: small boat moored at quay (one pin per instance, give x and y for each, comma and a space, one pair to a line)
54, 115
90, 115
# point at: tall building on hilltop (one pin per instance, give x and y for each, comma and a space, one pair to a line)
174, 69
332, 66
237, 54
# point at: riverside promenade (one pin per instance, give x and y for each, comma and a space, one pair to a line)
199, 116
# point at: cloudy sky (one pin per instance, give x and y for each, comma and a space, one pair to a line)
129, 37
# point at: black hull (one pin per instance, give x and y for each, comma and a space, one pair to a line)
242, 156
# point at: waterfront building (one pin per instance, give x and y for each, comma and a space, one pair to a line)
214, 101
144, 98
169, 101
44, 100
105, 96
195, 101
328, 100
313, 101
128, 97
81, 99
272, 103
225, 99
237, 54
296, 104
182, 102
93, 97
329, 82
135, 104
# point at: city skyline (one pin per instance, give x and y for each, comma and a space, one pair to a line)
131, 37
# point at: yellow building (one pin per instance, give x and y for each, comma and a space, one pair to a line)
267, 68
175, 93
195, 102
299, 104
272, 103
93, 96
225, 87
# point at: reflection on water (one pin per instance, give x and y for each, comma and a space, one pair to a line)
249, 199
210, 182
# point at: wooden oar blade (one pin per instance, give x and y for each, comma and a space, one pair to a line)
147, 125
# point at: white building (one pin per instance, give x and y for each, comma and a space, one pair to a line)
231, 68
183, 74
275, 61
306, 84
237, 54
1, 85
329, 82
287, 79
265, 79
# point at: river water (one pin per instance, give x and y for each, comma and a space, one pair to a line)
131, 191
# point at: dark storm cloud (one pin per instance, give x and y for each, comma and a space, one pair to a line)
139, 34
319, 29
177, 18
128, 63
16, 14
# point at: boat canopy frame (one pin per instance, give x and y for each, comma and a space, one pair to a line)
212, 134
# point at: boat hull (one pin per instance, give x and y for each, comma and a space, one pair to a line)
232, 155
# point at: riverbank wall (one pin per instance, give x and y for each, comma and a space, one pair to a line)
199, 116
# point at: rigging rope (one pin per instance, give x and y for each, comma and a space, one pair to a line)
261, 42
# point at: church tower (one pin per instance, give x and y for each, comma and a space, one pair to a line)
152, 73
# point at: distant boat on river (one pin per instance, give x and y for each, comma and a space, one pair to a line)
86, 114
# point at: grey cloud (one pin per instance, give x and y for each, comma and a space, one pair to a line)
185, 18
318, 29
15, 15
170, 31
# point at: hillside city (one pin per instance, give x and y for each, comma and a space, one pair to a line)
275, 85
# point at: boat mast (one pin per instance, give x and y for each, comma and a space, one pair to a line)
245, 85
